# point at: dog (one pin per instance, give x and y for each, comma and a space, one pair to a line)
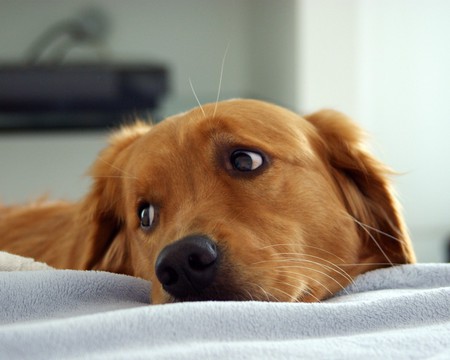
234, 200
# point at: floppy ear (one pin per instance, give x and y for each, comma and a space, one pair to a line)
365, 188
102, 210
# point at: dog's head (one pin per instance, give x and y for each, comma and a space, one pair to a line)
243, 200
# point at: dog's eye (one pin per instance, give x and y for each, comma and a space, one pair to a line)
244, 160
147, 215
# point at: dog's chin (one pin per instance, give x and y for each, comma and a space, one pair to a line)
212, 293
206, 296
221, 293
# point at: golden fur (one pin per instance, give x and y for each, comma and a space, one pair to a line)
319, 212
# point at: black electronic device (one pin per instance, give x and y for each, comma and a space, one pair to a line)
77, 95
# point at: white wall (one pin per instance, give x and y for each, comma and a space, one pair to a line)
52, 165
387, 63
273, 53
329, 55
407, 104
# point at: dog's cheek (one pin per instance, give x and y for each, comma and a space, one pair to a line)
157, 295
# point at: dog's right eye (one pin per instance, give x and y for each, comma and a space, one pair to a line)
244, 160
148, 215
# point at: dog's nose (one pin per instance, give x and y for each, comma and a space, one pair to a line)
187, 266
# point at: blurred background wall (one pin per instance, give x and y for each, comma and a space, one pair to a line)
386, 63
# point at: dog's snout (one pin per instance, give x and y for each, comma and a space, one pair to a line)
187, 266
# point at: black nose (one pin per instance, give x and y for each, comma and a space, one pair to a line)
187, 266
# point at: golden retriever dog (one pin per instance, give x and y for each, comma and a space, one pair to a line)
235, 200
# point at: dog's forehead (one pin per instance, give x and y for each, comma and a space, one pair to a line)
202, 134
250, 122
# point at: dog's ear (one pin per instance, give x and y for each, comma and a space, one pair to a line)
365, 188
102, 210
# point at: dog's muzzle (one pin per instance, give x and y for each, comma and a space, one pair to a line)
188, 266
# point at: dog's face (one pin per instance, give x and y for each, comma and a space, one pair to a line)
243, 200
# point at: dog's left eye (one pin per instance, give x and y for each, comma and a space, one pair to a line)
147, 214
244, 160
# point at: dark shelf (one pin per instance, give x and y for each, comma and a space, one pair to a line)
77, 96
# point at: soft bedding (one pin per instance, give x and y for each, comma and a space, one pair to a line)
394, 313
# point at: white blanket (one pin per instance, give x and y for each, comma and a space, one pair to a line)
10, 262
394, 313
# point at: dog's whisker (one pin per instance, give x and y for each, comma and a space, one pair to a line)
323, 250
334, 267
250, 296
294, 275
326, 268
370, 264
302, 285
296, 287
118, 169
339, 270
269, 296
309, 292
303, 290
366, 229
264, 296
302, 245
292, 298
377, 244
311, 269
196, 97
377, 230
265, 292
114, 177
220, 79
